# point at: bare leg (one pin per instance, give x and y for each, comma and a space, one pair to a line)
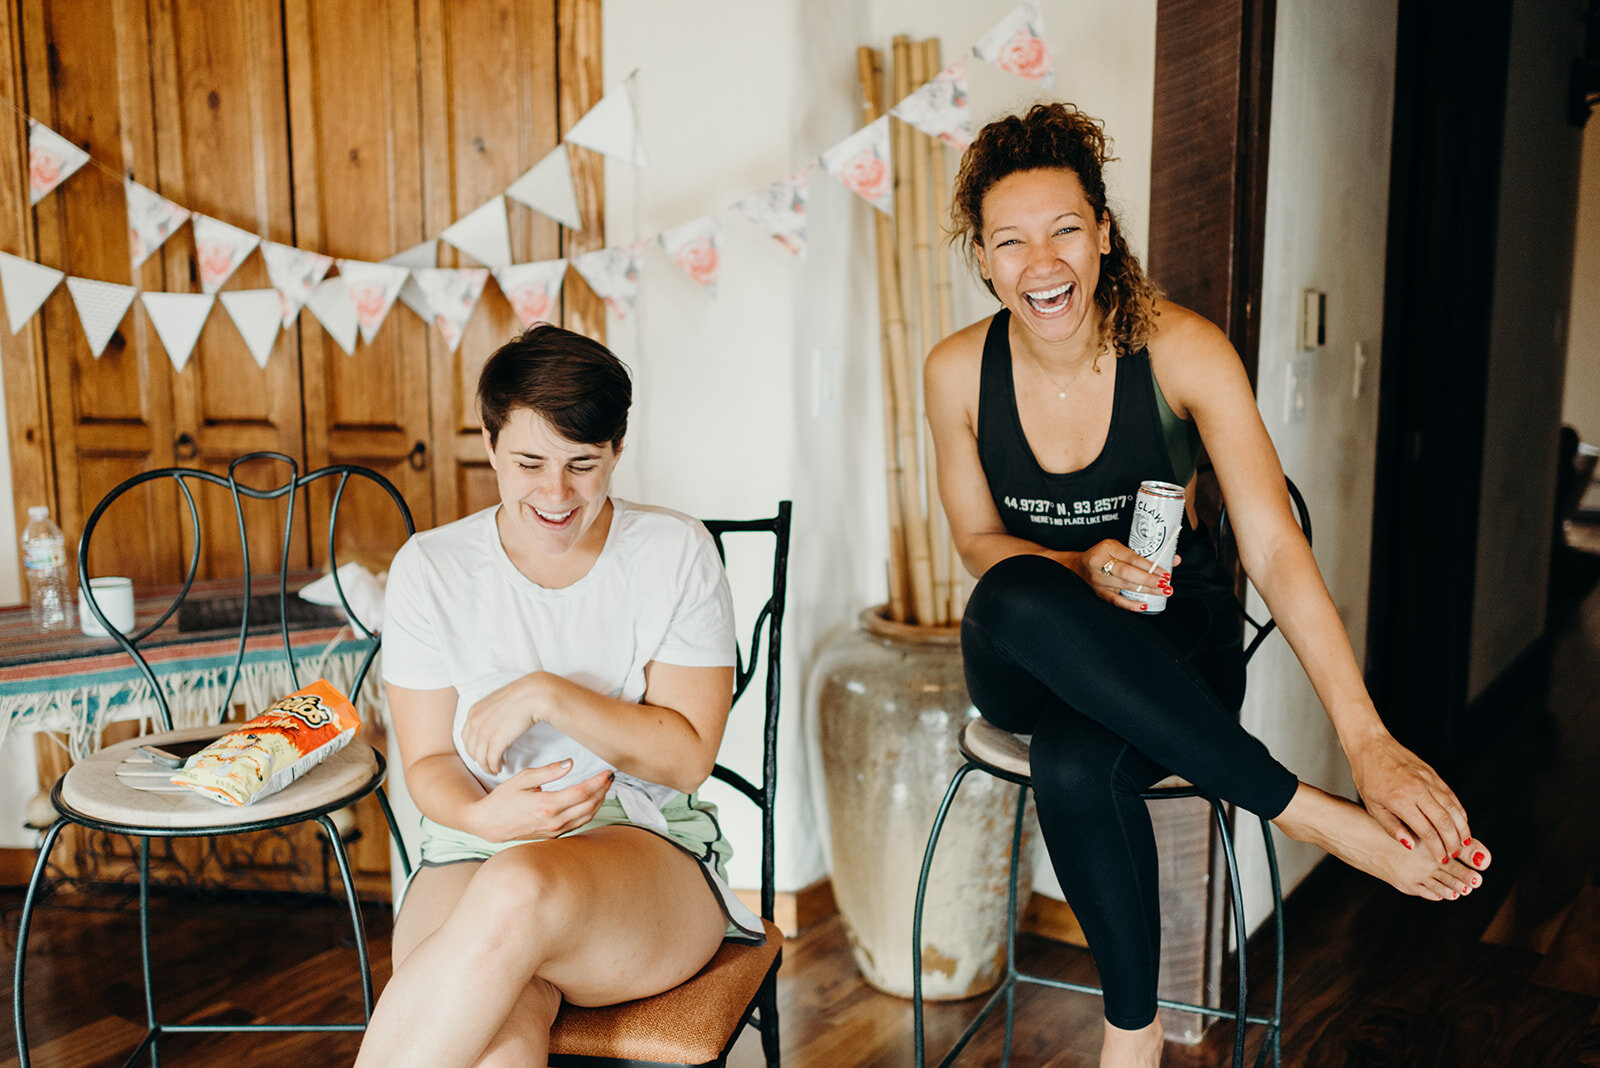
1346, 830
599, 918
1132, 1049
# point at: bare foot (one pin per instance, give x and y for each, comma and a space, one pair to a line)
1133, 1049
1346, 830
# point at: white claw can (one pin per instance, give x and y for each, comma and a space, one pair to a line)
1157, 518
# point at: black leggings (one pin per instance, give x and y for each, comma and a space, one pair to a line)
1115, 702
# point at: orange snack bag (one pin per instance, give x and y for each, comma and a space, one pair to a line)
266, 753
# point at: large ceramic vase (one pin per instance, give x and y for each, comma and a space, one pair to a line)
890, 701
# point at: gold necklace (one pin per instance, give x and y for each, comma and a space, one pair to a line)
1061, 391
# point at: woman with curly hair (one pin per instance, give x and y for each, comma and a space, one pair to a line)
1045, 418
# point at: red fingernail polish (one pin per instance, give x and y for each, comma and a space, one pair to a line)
1144, 608
1477, 860
1405, 843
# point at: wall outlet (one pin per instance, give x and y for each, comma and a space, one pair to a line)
1296, 390
1313, 319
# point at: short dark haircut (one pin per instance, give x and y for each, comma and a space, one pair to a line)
572, 382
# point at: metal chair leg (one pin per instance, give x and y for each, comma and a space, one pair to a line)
1240, 934
767, 998
18, 1016
144, 955
1010, 979
337, 843
919, 1042
1275, 1035
394, 832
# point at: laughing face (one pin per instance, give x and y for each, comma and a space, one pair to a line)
1040, 248
554, 505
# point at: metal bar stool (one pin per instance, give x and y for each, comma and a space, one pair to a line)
1004, 755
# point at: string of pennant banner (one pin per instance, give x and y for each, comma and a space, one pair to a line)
355, 301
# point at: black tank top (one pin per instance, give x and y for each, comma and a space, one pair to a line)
1075, 510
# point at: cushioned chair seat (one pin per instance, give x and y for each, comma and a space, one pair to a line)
1007, 753
93, 789
689, 1024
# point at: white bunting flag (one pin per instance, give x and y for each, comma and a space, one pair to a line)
861, 163
52, 159
257, 313
694, 248
533, 289
780, 210
484, 234
333, 310
613, 273
371, 289
939, 107
547, 189
294, 273
452, 294
1017, 45
178, 319
152, 218
610, 127
26, 286
101, 306
220, 248
417, 258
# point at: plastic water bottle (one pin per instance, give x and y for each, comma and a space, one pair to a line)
44, 556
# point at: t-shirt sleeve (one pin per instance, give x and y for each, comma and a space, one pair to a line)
701, 631
412, 656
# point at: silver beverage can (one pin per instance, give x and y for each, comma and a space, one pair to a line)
1157, 518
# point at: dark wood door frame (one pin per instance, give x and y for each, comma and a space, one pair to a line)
1450, 96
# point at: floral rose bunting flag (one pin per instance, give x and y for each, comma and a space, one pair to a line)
52, 159
294, 273
861, 163
219, 249
178, 319
152, 218
371, 289
939, 107
452, 293
101, 306
329, 303
780, 210
1016, 44
534, 289
694, 248
613, 273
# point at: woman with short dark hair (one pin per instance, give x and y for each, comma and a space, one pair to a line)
559, 670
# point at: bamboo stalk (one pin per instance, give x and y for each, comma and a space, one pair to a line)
869, 69
919, 549
938, 529
956, 589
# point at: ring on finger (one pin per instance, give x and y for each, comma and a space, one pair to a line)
1105, 568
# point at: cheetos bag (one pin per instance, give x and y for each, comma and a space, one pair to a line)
263, 755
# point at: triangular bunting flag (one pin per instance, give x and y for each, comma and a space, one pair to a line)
178, 319
152, 218
1017, 45
780, 210
484, 234
294, 273
547, 189
219, 248
861, 163
257, 313
613, 273
26, 285
370, 289
334, 311
939, 107
533, 289
694, 248
417, 258
610, 127
452, 294
101, 306
52, 159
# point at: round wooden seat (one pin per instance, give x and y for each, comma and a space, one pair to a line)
1006, 754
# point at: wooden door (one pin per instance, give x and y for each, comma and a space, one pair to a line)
353, 88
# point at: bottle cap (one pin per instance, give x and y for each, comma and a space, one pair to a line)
39, 511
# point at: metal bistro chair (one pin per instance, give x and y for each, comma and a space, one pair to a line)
91, 795
1004, 755
698, 1022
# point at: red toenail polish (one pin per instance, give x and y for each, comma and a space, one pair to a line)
1477, 860
1456, 854
1466, 841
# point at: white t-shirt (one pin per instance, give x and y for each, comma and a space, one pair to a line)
459, 613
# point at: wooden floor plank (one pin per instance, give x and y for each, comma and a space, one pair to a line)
1571, 963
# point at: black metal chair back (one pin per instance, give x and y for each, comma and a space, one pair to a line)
1227, 548
287, 489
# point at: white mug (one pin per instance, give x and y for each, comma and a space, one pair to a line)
114, 595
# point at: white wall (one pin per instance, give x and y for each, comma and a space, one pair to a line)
1326, 224
1581, 402
1527, 339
